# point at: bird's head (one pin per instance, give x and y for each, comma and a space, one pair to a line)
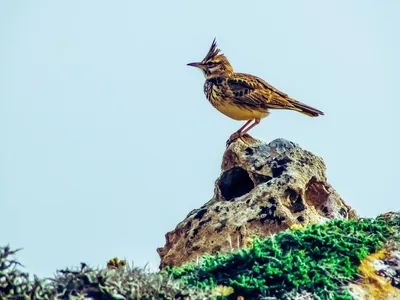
214, 64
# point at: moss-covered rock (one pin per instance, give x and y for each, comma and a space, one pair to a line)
320, 260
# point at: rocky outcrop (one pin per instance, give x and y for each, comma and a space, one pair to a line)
263, 189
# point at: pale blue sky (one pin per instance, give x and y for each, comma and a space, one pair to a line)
107, 140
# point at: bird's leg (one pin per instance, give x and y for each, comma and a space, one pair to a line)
256, 122
238, 134
244, 126
243, 132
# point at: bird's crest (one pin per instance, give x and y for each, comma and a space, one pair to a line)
212, 52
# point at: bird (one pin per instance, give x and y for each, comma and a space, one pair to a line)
243, 97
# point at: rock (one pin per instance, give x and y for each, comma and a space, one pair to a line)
379, 276
263, 189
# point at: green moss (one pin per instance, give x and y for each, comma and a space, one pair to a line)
320, 259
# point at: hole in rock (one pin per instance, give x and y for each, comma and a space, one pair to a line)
291, 194
234, 183
316, 193
276, 172
343, 212
297, 204
280, 166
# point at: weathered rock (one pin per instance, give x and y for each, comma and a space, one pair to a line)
379, 276
380, 272
263, 189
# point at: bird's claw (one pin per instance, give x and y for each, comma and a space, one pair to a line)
236, 135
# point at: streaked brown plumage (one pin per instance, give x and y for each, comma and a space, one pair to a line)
243, 96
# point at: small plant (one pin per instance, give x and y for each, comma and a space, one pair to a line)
118, 281
115, 263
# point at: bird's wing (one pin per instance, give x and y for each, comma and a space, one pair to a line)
253, 91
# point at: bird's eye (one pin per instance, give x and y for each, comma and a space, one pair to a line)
211, 64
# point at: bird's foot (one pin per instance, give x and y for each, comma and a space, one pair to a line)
236, 135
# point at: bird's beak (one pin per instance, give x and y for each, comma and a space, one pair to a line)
197, 65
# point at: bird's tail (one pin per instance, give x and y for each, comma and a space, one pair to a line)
304, 108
